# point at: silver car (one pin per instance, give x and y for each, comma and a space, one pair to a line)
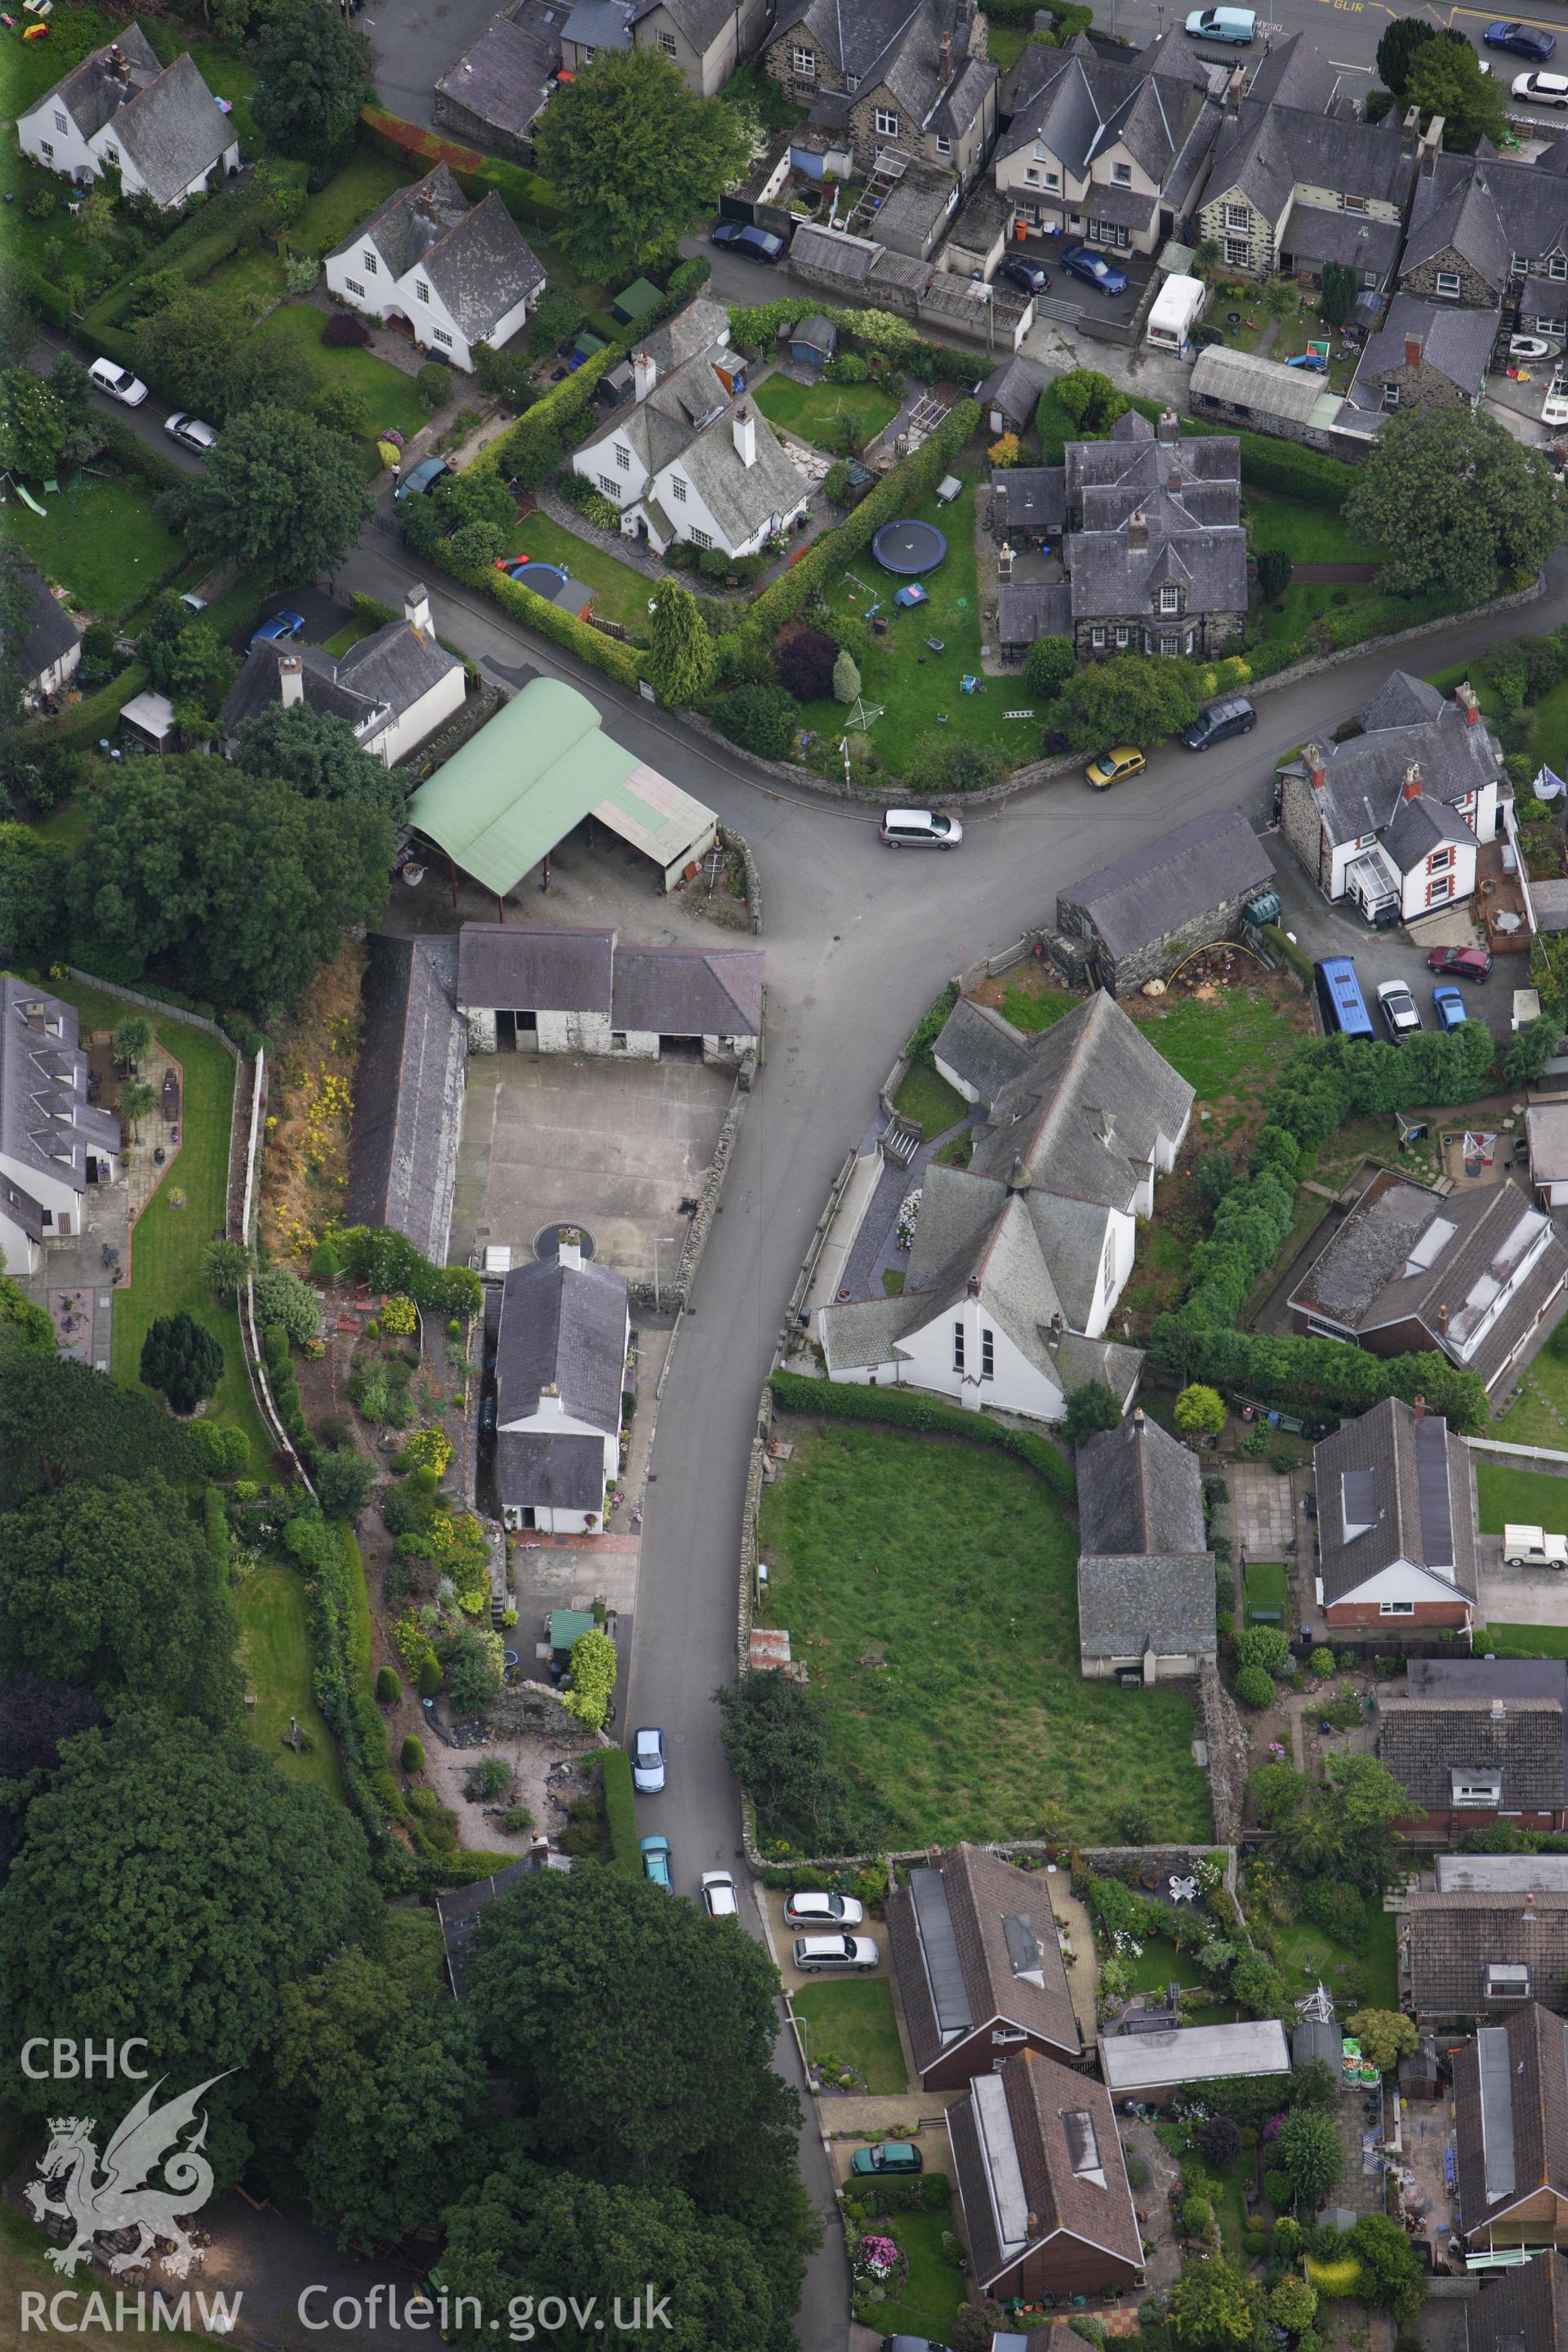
647, 1762
191, 433
814, 1910
816, 1952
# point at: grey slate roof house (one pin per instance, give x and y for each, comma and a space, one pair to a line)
1395, 1522
1009, 396
1522, 2309
51, 644
1293, 187
1144, 912
1019, 1258
705, 40
159, 127
560, 1367
408, 1092
54, 1141
1038, 2163
1474, 1274
1424, 355
497, 90
1486, 233
452, 273
1510, 2108
905, 78
1473, 1726
394, 688
583, 991
980, 1969
1146, 1597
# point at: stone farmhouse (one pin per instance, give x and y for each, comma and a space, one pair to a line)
1139, 915
448, 273
158, 126
561, 1355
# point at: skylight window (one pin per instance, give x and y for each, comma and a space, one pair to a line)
1358, 1502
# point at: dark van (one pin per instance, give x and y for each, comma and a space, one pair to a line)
1233, 715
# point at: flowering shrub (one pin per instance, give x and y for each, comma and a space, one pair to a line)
879, 2259
431, 1449
909, 1214
399, 1317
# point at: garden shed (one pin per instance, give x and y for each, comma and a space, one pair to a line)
635, 302
814, 340
1152, 2065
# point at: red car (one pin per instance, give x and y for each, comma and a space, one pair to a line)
1461, 963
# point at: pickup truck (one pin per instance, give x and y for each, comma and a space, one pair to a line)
1532, 1548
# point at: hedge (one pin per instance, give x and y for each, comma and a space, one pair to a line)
525, 195
1285, 950
80, 727
909, 1409
338, 1617
147, 466
43, 298
202, 242
620, 1813
520, 452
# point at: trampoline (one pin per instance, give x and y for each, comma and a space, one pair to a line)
907, 549
554, 585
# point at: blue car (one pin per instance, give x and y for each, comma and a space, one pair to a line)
281, 629
1449, 1007
1519, 40
424, 476
1102, 275
656, 1862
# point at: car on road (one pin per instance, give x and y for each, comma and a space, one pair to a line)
718, 1898
920, 829
191, 433
887, 2158
1461, 963
425, 477
1233, 715
648, 1760
1533, 1548
1449, 1007
280, 629
1114, 766
118, 382
488, 1418
655, 1851
1026, 274
1519, 39
742, 236
1542, 88
1236, 26
810, 1910
1401, 1014
1079, 261
813, 1953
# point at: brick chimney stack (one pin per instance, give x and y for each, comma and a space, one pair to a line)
947, 57
1443, 1320
1464, 696
1316, 767
1419, 1408
1169, 426
1412, 783
1138, 531
292, 680
1413, 345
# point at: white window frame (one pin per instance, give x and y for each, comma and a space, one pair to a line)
988, 1354
62, 121
1396, 1608
1353, 204
1238, 253
1170, 598
1121, 174
1238, 216
945, 146
702, 539
1097, 636
1031, 177
667, 44
803, 62
1518, 264
678, 489
353, 286
1515, 1991
421, 290
45, 147
1122, 633
1391, 396
623, 458
439, 335
372, 266
1446, 285
886, 122
1557, 267
610, 487
958, 1346
110, 152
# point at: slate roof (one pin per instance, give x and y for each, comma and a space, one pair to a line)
395, 664
1190, 871
701, 21
1140, 1490
258, 686
1479, 1681
1457, 342
1522, 2309
1407, 1484
43, 1086
981, 1048
1017, 2159
373, 683
1425, 1742
564, 1326
1189, 494
1485, 211
511, 968
1029, 497
1510, 2103
95, 89
1315, 234
1407, 724
1015, 388
973, 1940
474, 255
506, 76
1088, 1114
562, 1472
849, 257
688, 992
896, 43
1131, 1603
741, 497
1296, 74
679, 991
1026, 611
50, 631
913, 211
1420, 826
408, 1092
599, 24
816, 333
166, 119
1269, 149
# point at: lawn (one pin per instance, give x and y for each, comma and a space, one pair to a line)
953, 1566
1030, 1000
168, 1241
1526, 1641
1229, 1047
1306, 1956
1539, 1412
65, 827
620, 592
932, 2295
1268, 1592
100, 539
392, 400
27, 69
1530, 1498
926, 1096
855, 2022
1308, 534
816, 412
25, 2249
1159, 1964
275, 1650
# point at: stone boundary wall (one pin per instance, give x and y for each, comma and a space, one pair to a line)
808, 1265
739, 846
1229, 1753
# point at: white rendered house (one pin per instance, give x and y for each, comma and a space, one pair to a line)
394, 689
448, 273
561, 1357
159, 127
54, 1144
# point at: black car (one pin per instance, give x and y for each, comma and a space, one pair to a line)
741, 236
1026, 274
1233, 716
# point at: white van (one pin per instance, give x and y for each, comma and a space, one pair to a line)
921, 829
1236, 26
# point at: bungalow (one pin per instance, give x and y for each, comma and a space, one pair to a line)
1395, 1526
1510, 2112
1146, 1594
1480, 1935
448, 273
1480, 1740
54, 1142
979, 1966
560, 1358
1524, 2307
1040, 2170
158, 126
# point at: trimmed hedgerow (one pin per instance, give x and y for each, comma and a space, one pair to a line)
909, 1409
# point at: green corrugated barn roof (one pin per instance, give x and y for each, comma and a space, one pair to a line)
539, 767
638, 299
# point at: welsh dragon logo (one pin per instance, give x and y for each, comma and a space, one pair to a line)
114, 2195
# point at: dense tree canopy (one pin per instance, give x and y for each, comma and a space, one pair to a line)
315, 752
60, 1419
38, 1716
776, 1743
1132, 699
179, 1356
34, 424
279, 494
1444, 77
1214, 2308
314, 78
634, 157
1457, 502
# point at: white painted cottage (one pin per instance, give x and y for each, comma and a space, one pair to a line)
561, 1357
394, 689
159, 127
51, 641
54, 1144
449, 273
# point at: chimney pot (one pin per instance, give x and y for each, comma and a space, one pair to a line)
974, 1286
1317, 766
1412, 344
645, 374
1412, 783
292, 680
1464, 696
947, 57
1443, 1316
1138, 1418
1137, 530
569, 1248
1169, 426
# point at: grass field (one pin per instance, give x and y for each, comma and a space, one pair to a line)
1525, 1641
1512, 1497
100, 539
926, 1096
1539, 1412
855, 2022
167, 1243
815, 411
933, 2293
275, 1649
1230, 1048
1030, 1001
620, 592
954, 1565
297, 328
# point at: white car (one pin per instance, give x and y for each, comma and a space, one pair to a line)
812, 1910
191, 433
718, 1895
647, 1762
813, 1953
118, 382
1533, 1548
1398, 1007
1542, 88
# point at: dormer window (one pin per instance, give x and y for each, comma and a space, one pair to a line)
1557, 266
1470, 1788
1508, 1981
1520, 265
1122, 174
1170, 599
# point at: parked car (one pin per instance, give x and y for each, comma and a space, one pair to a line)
191, 433
1449, 1007
1113, 766
889, 2158
1532, 1548
718, 1895
1083, 262
1519, 40
118, 382
1461, 963
647, 1762
822, 1911
1233, 715
1542, 88
813, 1953
920, 829
1401, 1014
425, 477
1026, 274
655, 1851
488, 1418
742, 236
280, 629
1236, 26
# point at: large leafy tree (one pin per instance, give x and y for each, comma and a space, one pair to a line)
315, 752
1457, 502
169, 1884
315, 77
1310, 2152
59, 1420
111, 1583
634, 157
1213, 2308
1400, 44
279, 495
38, 1716
1132, 699
1444, 77
681, 663
187, 344
776, 1743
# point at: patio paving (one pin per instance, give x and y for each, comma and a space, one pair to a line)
1262, 1511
